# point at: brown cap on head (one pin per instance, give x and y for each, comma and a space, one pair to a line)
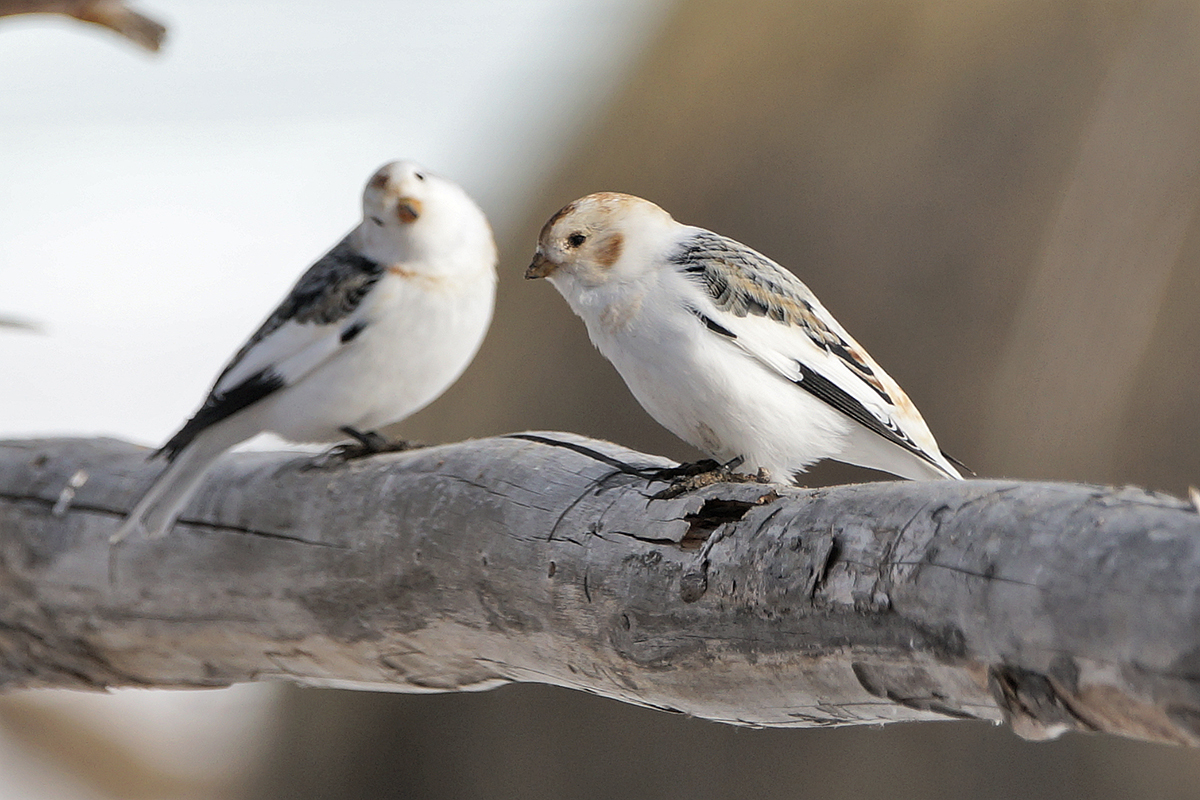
588, 234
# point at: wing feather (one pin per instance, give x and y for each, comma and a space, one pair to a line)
774, 318
317, 317
328, 292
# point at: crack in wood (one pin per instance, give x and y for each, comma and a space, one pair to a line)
842, 605
89, 508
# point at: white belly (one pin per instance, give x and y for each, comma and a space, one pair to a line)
712, 395
416, 344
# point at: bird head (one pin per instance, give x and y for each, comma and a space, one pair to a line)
410, 213
601, 239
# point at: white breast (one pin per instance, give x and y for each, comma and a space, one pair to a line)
709, 393
421, 333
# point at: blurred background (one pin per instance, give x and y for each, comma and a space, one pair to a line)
996, 197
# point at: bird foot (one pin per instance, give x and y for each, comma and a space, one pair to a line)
687, 478
365, 444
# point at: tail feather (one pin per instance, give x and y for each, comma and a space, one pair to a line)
158, 509
866, 449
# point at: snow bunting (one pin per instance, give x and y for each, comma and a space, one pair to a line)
375, 330
725, 348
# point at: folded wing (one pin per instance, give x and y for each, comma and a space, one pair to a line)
767, 312
320, 315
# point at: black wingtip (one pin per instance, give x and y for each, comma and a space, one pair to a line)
220, 406
712, 324
175, 444
958, 464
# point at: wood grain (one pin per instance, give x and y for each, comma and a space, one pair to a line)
541, 557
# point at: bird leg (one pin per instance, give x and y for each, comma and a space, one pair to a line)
698, 474
373, 441
368, 443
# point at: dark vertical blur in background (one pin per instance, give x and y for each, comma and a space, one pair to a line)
998, 200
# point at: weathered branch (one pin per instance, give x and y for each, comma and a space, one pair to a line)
112, 14
522, 558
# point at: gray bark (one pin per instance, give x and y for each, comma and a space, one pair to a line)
1050, 606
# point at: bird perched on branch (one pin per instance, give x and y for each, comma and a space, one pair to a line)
725, 348
374, 331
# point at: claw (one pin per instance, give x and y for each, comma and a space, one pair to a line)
689, 477
370, 442
366, 444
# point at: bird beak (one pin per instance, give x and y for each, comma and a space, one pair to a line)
408, 209
540, 268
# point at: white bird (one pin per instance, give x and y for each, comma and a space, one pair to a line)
374, 331
725, 348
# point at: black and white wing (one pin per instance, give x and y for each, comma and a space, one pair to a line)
319, 315
772, 316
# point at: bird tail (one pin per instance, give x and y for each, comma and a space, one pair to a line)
867, 449
156, 512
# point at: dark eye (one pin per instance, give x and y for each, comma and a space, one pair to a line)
419, 175
576, 239
377, 221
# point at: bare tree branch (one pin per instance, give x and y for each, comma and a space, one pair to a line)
112, 14
540, 557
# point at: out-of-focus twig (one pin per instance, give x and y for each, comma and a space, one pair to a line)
112, 14
20, 324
